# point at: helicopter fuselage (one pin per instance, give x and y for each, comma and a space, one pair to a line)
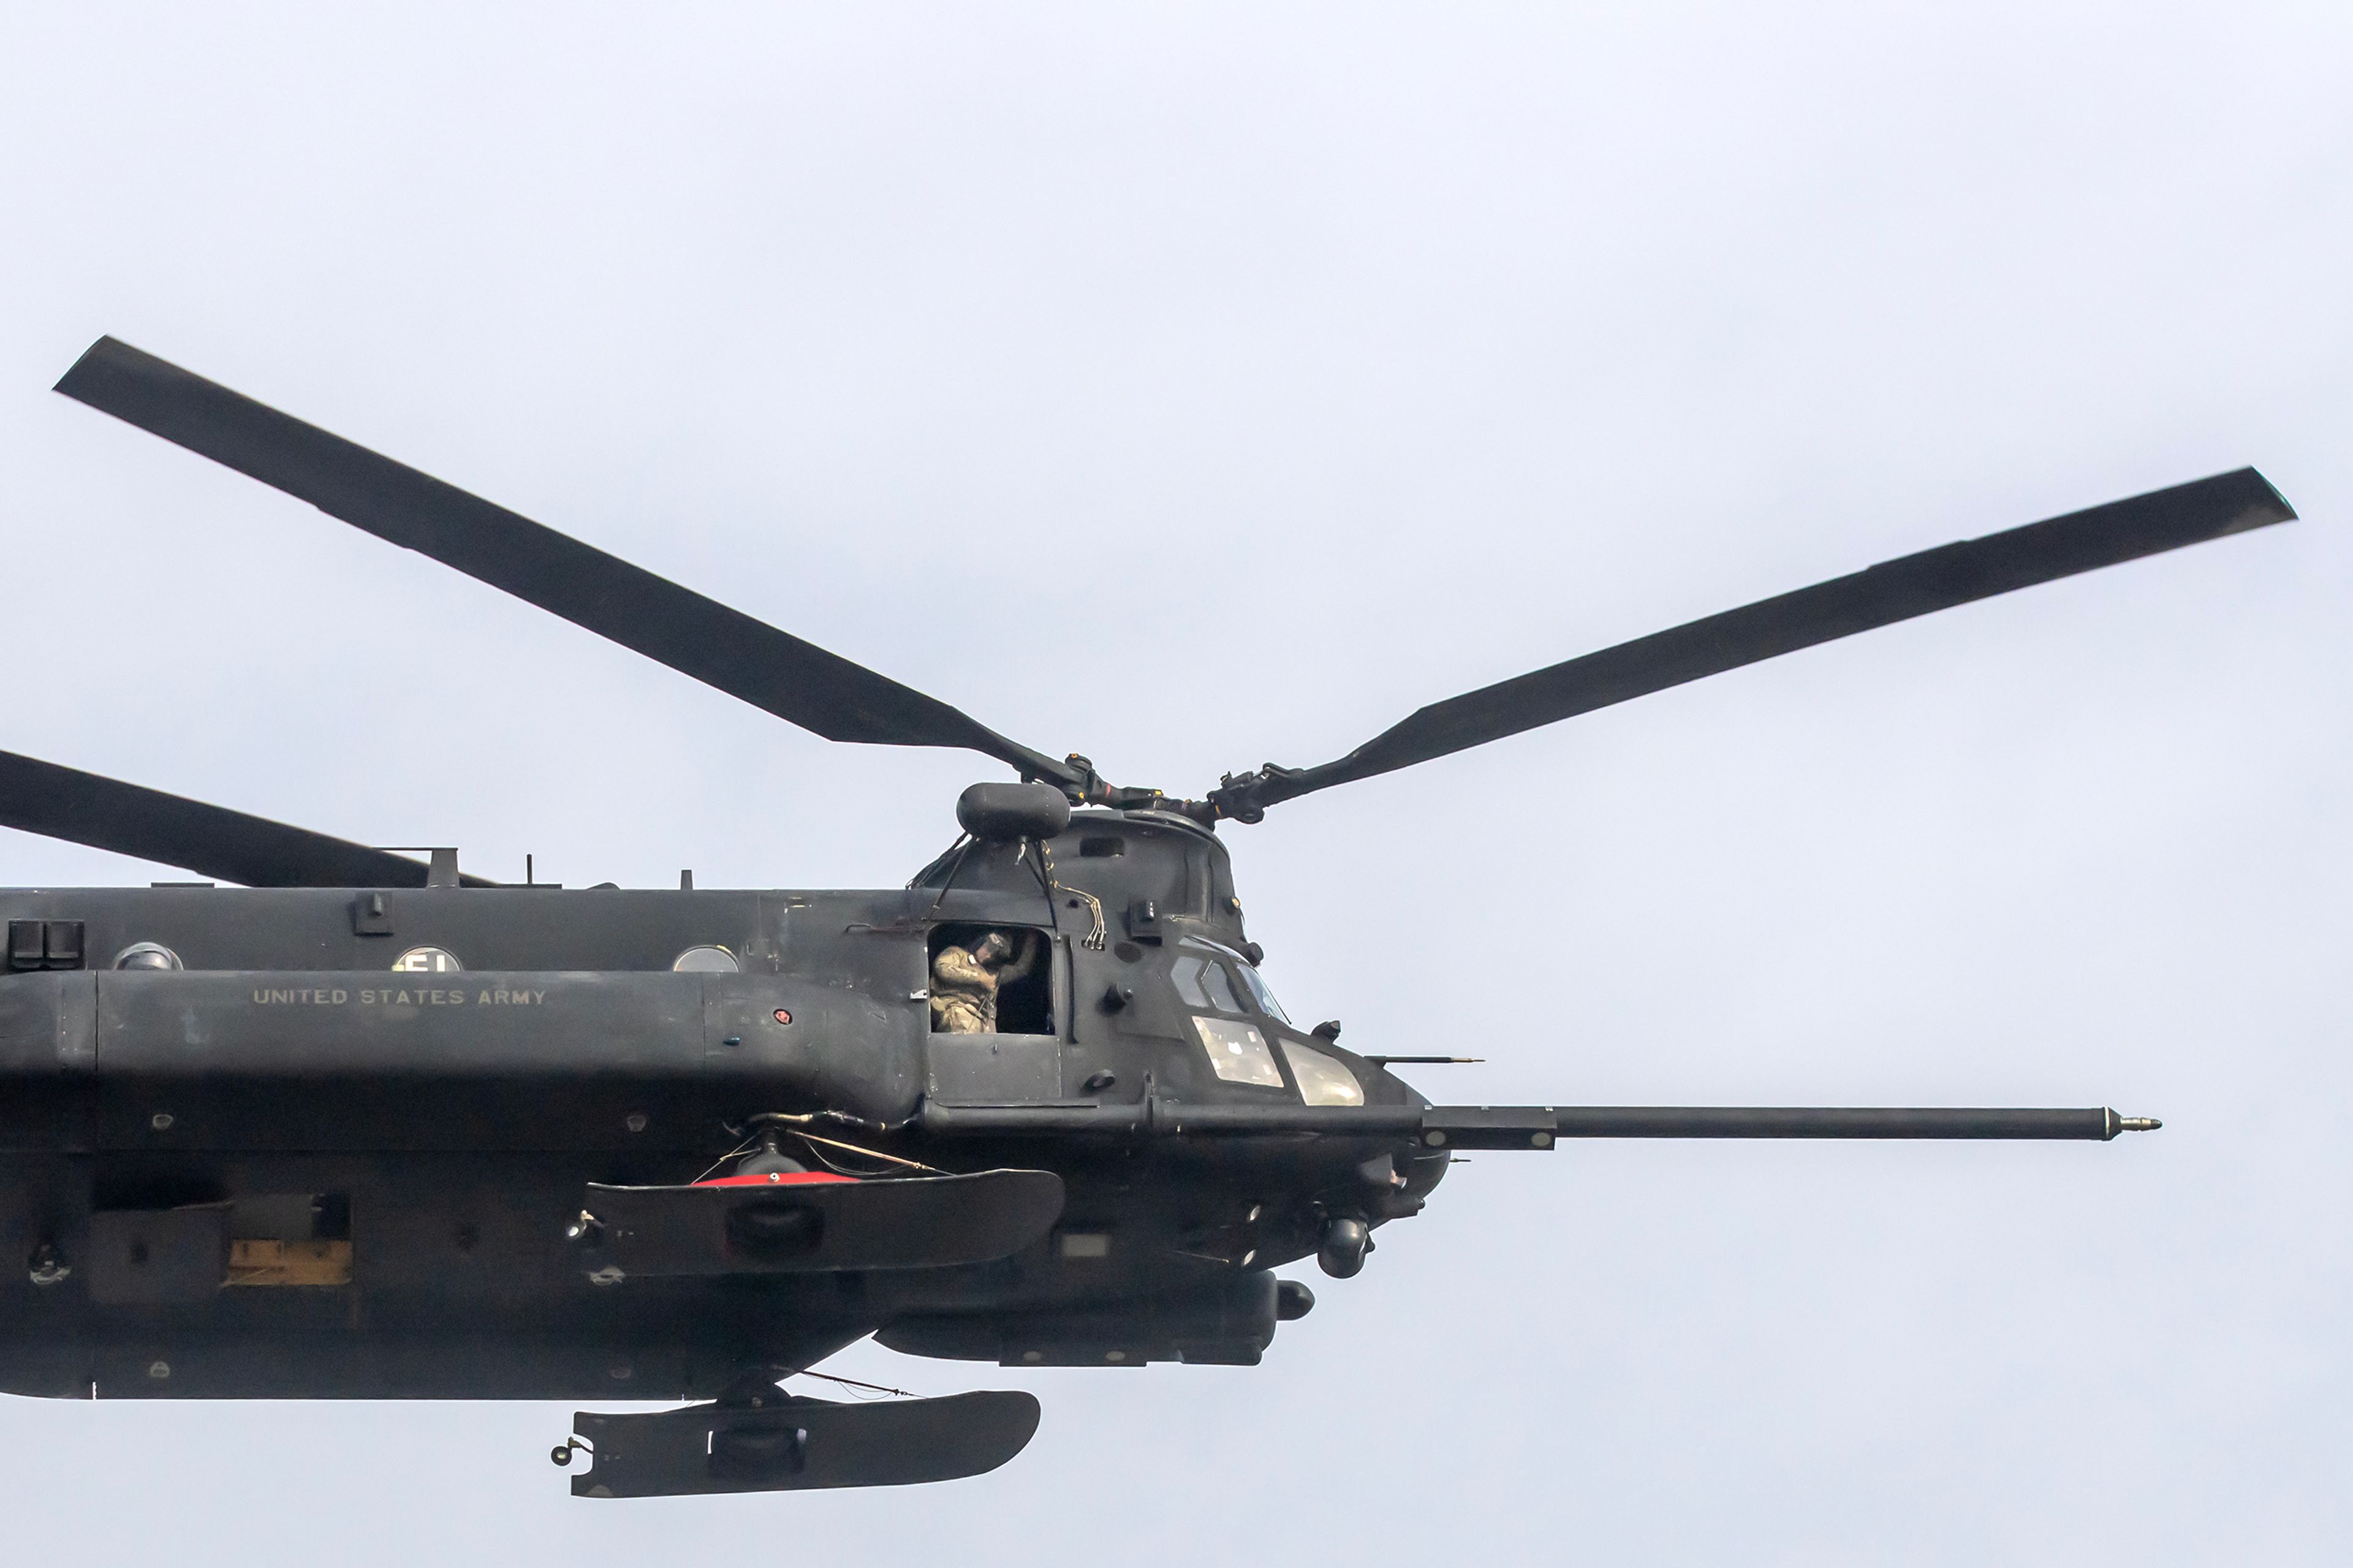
386, 1106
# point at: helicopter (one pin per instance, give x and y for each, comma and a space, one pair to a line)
364, 1126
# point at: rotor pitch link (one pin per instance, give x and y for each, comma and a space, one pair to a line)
1523, 1126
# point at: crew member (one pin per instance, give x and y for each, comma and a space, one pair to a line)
965, 981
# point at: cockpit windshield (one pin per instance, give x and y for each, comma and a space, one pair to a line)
1202, 982
1238, 1051
1265, 998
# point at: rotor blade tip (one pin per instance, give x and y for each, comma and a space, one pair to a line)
2287, 513
106, 348
2250, 500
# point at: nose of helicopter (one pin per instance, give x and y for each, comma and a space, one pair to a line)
1422, 1171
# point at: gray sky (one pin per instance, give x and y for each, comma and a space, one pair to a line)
1360, 355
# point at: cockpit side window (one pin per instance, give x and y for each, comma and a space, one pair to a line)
1187, 975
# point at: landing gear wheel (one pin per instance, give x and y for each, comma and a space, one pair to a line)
561, 1456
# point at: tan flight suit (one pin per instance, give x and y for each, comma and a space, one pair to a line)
963, 993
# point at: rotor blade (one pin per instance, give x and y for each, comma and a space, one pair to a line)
793, 679
1880, 595
148, 824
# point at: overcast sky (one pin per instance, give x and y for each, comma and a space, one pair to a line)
1197, 386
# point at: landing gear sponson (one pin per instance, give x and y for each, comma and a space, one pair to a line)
758, 1438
